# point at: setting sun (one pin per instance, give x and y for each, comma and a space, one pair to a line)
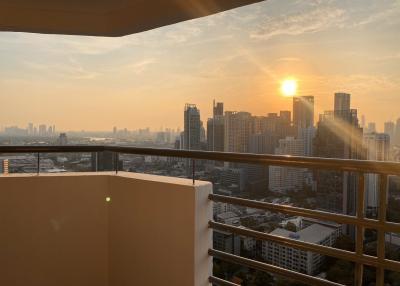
289, 87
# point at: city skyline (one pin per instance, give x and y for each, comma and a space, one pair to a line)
239, 57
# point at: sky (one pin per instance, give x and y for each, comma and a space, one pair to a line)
239, 57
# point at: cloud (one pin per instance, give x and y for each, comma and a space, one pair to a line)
389, 15
71, 69
312, 21
141, 66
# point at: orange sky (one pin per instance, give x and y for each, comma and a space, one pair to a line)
238, 57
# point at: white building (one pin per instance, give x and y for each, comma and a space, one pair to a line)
377, 146
298, 260
284, 178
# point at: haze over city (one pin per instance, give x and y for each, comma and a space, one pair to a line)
239, 57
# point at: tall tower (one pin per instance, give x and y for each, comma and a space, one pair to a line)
237, 131
389, 129
192, 126
338, 135
216, 128
342, 101
377, 147
303, 121
218, 109
303, 112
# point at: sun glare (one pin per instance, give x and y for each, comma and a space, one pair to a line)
289, 87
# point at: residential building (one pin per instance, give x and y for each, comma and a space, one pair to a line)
298, 260
192, 127
377, 147
282, 179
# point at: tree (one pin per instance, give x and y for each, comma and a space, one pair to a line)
341, 272
345, 242
263, 279
394, 278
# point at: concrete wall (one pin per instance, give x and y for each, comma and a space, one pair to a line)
53, 230
59, 230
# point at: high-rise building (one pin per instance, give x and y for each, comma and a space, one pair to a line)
377, 146
371, 127
192, 127
63, 140
397, 134
218, 109
237, 131
42, 130
216, 128
342, 101
389, 129
215, 133
285, 178
338, 135
303, 112
286, 116
30, 129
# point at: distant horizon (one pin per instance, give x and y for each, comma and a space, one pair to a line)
379, 128
238, 57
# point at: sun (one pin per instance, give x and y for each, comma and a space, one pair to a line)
289, 87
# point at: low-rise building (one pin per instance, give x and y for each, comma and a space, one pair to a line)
298, 260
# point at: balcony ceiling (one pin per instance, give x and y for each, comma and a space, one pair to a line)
104, 17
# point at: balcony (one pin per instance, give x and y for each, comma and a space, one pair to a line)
120, 228
104, 229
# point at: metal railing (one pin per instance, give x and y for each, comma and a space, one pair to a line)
383, 169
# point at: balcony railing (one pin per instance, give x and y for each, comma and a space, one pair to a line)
359, 220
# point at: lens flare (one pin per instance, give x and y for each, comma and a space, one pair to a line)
289, 87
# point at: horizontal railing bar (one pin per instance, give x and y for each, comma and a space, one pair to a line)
296, 211
221, 282
270, 268
378, 167
321, 249
51, 149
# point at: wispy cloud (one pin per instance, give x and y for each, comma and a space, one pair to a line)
141, 66
71, 69
311, 21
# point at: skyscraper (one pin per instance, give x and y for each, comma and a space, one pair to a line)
215, 133
218, 109
285, 178
30, 129
303, 121
303, 112
192, 127
342, 101
338, 136
237, 131
389, 129
42, 130
397, 134
215, 128
371, 127
377, 147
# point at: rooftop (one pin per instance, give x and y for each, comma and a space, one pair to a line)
315, 233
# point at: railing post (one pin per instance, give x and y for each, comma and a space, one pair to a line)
380, 271
38, 164
193, 171
116, 162
358, 273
